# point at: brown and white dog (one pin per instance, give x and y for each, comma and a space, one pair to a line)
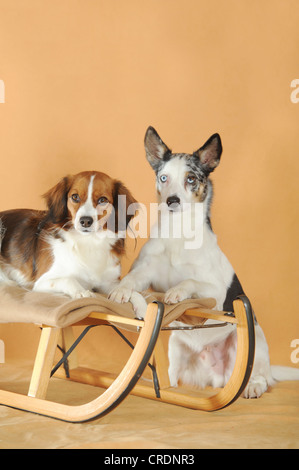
75, 246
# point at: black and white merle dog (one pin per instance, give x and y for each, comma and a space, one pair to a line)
171, 265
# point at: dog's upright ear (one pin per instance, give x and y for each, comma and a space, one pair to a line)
122, 200
209, 154
56, 200
155, 148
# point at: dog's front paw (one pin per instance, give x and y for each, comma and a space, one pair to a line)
139, 304
83, 293
120, 295
256, 387
175, 294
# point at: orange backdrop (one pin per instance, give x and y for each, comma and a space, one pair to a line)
83, 80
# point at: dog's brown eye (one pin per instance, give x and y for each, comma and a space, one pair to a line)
75, 197
102, 200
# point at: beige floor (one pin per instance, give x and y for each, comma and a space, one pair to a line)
269, 422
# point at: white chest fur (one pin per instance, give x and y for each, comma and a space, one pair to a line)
86, 259
173, 263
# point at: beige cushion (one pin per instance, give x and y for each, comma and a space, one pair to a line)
19, 305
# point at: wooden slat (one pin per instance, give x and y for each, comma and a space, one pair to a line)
43, 362
210, 314
116, 319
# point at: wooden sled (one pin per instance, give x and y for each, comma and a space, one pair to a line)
148, 350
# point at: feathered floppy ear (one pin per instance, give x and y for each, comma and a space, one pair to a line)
56, 199
155, 149
209, 154
122, 199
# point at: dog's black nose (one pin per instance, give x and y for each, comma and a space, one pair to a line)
86, 221
173, 201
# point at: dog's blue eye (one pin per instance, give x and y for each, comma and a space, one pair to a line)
163, 178
191, 179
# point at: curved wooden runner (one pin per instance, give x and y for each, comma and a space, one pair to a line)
148, 344
117, 391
